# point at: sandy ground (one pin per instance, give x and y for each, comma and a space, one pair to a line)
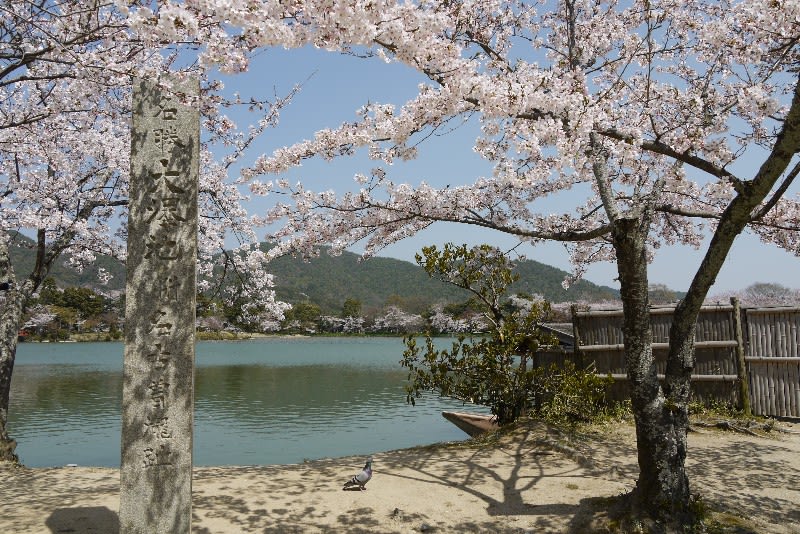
525, 482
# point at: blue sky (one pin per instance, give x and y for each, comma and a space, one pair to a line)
335, 86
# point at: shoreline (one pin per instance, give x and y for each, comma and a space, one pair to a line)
103, 337
527, 480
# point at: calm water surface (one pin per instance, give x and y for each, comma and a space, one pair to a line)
266, 401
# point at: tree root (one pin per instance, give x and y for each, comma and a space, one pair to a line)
7, 451
751, 428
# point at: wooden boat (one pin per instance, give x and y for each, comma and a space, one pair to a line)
472, 423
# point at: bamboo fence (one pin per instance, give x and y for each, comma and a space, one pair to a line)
746, 357
773, 361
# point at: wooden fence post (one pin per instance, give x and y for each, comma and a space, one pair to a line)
577, 357
741, 365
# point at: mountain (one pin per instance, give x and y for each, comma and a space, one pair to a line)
546, 280
329, 280
23, 258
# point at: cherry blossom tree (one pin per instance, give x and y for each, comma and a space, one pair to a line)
646, 114
395, 321
442, 322
40, 316
767, 294
761, 294
353, 325
643, 113
212, 323
65, 81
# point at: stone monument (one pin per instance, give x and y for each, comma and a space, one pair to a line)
158, 369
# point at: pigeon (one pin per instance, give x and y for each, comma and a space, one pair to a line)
361, 478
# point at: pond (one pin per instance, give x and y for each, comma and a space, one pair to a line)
264, 401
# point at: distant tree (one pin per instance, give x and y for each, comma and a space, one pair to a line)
396, 321
328, 323
457, 318
353, 325
394, 300
346, 325
38, 318
661, 294
443, 322
211, 323
306, 312
84, 303
523, 302
50, 293
759, 294
765, 294
302, 316
109, 321
351, 308
83, 300
65, 321
207, 306
467, 309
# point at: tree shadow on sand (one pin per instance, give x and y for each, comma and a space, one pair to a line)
275, 509
746, 485
531, 481
266, 503
538, 456
749, 478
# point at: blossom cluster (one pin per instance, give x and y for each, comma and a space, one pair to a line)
672, 97
65, 112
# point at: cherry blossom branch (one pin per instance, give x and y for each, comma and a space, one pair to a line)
777, 194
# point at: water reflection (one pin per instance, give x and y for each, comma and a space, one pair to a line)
271, 401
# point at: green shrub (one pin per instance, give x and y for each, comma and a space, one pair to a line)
568, 394
498, 369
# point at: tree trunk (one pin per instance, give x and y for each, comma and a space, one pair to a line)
16, 298
9, 328
662, 491
10, 317
741, 210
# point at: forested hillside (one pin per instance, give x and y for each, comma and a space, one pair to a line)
23, 258
328, 281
